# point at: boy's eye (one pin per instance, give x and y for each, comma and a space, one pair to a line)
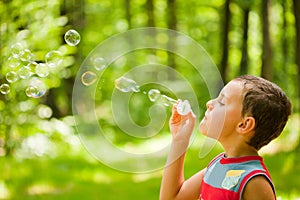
221, 103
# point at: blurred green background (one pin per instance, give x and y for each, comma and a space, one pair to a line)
41, 156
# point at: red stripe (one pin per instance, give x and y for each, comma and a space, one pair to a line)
240, 159
217, 157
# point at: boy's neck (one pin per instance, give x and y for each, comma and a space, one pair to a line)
239, 150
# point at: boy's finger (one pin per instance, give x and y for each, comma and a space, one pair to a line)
176, 117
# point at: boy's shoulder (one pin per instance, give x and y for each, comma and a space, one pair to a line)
232, 174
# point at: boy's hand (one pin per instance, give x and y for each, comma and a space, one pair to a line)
181, 126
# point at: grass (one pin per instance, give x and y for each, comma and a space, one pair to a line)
68, 178
80, 177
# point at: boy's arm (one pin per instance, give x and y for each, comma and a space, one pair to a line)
173, 185
258, 188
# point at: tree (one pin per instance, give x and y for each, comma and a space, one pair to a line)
266, 68
172, 24
128, 13
297, 47
150, 13
244, 59
225, 41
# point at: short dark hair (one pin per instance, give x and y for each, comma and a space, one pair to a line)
268, 105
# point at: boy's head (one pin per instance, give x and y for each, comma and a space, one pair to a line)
268, 105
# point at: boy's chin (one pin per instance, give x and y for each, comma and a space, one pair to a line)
209, 135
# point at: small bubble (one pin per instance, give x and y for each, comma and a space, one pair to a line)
153, 94
27, 56
4, 88
88, 78
12, 76
16, 49
126, 85
167, 101
24, 72
99, 63
53, 58
31, 91
14, 61
32, 66
72, 37
42, 70
36, 89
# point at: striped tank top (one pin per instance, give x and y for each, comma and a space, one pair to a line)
226, 178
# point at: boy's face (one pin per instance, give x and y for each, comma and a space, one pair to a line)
224, 113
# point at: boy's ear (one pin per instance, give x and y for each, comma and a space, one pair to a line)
246, 125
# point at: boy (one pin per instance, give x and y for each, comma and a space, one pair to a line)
248, 113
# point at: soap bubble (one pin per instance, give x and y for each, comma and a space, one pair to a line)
4, 88
53, 58
16, 49
26, 55
24, 72
12, 76
99, 63
72, 37
32, 66
183, 107
153, 94
167, 101
32, 91
88, 78
14, 61
42, 70
126, 85
36, 89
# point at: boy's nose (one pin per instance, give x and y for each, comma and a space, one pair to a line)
209, 105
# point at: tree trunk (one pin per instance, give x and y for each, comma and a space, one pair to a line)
266, 68
297, 50
244, 60
284, 46
150, 13
8, 145
225, 25
128, 13
172, 24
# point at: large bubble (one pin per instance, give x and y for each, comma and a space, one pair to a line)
88, 78
126, 85
103, 112
72, 37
